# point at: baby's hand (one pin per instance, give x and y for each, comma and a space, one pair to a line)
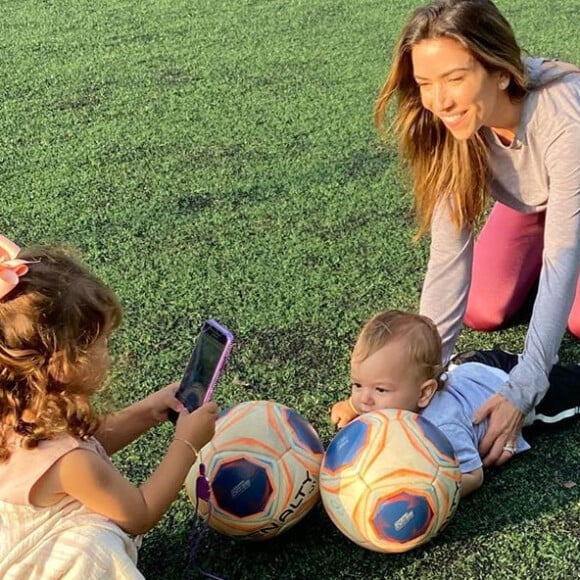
342, 413
197, 427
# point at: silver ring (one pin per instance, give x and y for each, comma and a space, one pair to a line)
509, 448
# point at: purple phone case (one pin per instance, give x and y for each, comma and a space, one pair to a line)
223, 359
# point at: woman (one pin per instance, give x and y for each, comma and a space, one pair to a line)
475, 119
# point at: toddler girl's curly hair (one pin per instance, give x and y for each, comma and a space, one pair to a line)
48, 324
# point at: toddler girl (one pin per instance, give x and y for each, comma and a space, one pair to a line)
65, 510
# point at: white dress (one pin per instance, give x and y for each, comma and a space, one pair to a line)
62, 541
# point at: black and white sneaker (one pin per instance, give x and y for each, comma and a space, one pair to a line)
562, 399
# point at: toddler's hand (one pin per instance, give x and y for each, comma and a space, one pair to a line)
161, 401
342, 413
197, 427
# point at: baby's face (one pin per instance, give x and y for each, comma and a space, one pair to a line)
385, 380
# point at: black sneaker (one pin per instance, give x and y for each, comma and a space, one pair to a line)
562, 399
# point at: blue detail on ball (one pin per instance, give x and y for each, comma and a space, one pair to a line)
304, 431
224, 412
436, 436
402, 518
346, 446
241, 488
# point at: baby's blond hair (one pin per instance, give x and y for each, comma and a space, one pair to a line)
419, 333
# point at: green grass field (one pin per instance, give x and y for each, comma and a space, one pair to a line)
215, 158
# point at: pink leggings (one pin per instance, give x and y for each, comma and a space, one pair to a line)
501, 279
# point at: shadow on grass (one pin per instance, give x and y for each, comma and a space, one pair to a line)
531, 488
534, 485
313, 548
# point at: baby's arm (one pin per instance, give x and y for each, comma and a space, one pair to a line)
95, 483
471, 481
119, 429
462, 437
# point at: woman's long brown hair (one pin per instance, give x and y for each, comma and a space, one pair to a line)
442, 167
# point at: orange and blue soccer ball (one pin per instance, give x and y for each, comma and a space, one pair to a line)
390, 480
262, 465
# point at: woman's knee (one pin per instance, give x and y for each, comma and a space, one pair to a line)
574, 318
483, 315
574, 324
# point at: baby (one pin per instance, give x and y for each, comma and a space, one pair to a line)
396, 363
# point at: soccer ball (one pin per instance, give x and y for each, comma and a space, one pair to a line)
262, 465
390, 480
